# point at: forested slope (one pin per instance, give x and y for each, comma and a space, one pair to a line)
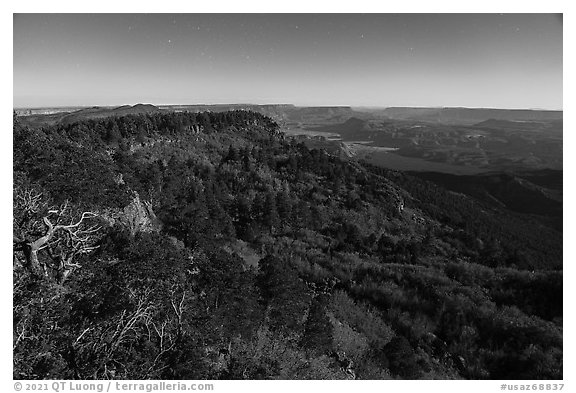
190, 246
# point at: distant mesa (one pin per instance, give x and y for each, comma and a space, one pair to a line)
145, 107
136, 109
469, 116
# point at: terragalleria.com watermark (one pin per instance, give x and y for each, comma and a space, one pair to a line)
111, 386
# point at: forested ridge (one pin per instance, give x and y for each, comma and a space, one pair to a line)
209, 246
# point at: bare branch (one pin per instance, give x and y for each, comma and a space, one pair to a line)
28, 200
22, 335
85, 215
81, 335
47, 232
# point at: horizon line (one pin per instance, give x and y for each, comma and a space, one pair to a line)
295, 105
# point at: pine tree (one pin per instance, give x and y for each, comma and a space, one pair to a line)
271, 217
284, 293
318, 331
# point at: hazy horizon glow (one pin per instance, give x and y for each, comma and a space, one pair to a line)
463, 60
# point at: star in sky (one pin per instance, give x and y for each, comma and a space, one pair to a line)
274, 42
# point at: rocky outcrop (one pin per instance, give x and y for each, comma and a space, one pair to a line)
136, 217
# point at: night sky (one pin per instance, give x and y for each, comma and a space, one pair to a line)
473, 60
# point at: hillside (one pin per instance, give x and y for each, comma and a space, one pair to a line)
511, 191
179, 245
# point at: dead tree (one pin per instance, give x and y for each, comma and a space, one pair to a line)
59, 233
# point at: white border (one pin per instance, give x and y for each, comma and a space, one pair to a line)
294, 6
